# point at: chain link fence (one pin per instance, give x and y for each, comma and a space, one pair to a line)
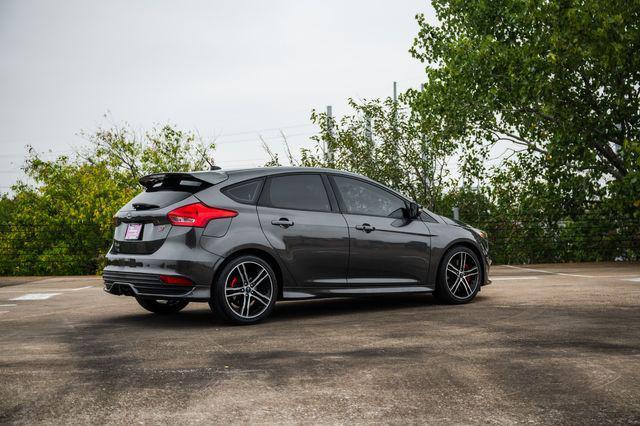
80, 248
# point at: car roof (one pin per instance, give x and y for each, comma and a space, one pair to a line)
255, 172
219, 175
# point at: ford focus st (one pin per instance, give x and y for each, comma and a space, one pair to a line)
243, 239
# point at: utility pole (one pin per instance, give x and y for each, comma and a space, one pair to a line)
368, 134
395, 111
456, 213
427, 172
329, 143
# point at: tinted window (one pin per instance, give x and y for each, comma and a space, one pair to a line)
359, 197
155, 200
301, 192
246, 192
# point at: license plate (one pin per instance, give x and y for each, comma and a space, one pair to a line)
133, 231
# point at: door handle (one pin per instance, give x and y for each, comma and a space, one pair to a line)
365, 227
283, 222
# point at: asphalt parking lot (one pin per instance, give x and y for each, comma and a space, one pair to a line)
543, 344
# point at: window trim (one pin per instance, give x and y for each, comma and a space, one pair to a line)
341, 203
227, 188
333, 199
264, 202
430, 219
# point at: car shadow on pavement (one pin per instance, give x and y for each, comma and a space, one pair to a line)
191, 318
289, 310
199, 315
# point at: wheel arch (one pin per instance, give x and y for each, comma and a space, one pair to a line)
258, 252
471, 245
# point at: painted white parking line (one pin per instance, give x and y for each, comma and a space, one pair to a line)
6, 305
514, 278
635, 280
67, 279
81, 288
36, 296
617, 276
549, 272
45, 289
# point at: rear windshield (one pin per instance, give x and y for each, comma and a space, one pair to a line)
163, 193
156, 199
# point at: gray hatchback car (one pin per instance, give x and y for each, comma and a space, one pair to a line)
243, 239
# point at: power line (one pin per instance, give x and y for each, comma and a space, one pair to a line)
264, 137
223, 135
41, 153
216, 141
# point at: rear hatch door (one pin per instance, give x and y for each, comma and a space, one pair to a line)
142, 225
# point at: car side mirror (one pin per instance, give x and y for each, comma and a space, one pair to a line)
413, 212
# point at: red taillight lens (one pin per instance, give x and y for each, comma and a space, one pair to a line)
197, 215
176, 280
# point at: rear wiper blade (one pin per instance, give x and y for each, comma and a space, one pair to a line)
145, 206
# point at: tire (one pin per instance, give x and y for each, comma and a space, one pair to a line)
162, 307
235, 301
450, 289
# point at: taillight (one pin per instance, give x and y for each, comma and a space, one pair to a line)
174, 279
197, 215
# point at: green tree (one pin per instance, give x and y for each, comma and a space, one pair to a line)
62, 223
386, 141
558, 80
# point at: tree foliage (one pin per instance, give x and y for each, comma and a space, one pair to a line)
558, 84
61, 223
385, 140
560, 78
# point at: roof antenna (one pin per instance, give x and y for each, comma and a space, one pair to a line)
215, 168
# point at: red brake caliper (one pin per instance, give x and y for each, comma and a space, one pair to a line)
234, 281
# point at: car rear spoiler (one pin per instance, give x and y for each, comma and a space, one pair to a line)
209, 177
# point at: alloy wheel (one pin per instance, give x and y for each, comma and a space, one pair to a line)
248, 289
463, 275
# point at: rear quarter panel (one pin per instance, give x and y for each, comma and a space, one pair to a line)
244, 232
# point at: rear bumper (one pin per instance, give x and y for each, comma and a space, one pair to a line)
143, 285
149, 286
139, 275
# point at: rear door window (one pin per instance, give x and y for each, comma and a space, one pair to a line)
297, 192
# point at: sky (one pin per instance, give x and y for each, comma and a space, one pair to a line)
229, 70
